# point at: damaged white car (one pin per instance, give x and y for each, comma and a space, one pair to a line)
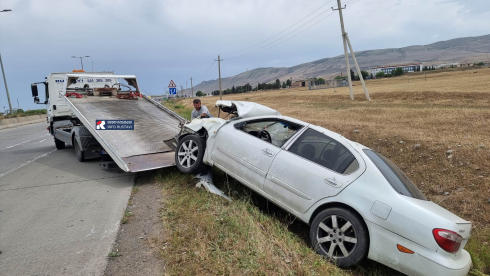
358, 203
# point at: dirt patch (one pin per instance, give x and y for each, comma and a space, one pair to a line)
135, 251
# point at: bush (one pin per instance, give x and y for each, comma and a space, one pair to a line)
200, 94
398, 72
380, 75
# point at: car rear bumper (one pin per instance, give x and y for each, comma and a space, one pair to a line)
383, 249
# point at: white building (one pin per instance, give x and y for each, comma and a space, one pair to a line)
407, 68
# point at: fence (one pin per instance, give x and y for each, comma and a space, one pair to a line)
328, 84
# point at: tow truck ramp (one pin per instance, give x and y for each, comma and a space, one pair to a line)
135, 150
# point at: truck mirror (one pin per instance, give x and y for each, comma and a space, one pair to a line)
36, 100
34, 90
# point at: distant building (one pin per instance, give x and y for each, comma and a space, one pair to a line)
407, 68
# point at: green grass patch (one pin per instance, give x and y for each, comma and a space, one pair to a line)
479, 248
207, 235
114, 254
178, 108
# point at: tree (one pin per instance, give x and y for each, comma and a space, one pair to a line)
364, 74
233, 90
278, 84
380, 74
288, 82
283, 85
320, 81
398, 72
201, 94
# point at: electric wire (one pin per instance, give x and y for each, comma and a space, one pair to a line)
280, 37
259, 50
280, 31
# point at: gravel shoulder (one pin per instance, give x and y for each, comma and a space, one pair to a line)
135, 251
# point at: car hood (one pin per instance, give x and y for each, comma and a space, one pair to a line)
246, 109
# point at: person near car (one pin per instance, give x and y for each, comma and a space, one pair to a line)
199, 110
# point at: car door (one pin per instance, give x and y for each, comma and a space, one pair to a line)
239, 150
315, 166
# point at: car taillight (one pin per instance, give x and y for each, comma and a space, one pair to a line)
450, 241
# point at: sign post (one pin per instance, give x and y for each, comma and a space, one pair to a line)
172, 88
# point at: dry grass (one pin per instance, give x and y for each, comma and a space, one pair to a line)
449, 111
207, 235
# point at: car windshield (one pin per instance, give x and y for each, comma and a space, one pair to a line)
397, 179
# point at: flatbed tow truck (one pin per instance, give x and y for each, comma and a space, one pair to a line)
77, 101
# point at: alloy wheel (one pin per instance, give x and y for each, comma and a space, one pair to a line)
187, 154
336, 237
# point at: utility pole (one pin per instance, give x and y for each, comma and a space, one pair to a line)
5, 79
92, 65
346, 42
219, 70
192, 89
181, 91
6, 87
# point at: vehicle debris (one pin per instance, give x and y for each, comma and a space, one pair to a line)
206, 181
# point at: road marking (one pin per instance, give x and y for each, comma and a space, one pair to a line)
27, 163
9, 147
42, 140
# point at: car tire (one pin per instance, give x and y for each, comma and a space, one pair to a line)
59, 144
340, 235
189, 154
78, 151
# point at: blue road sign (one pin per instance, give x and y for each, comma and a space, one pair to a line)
172, 91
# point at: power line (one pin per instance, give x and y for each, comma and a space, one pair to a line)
281, 37
281, 31
208, 69
257, 51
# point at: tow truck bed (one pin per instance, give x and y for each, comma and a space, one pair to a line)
133, 150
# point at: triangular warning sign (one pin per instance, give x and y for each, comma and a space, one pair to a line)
172, 84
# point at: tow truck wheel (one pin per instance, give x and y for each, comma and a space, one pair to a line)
78, 151
59, 144
189, 154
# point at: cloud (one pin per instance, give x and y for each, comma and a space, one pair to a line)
163, 40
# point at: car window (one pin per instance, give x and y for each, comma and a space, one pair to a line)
273, 131
325, 151
397, 179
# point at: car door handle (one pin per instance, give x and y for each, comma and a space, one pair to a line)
332, 182
268, 152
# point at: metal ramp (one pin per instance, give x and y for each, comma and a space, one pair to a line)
135, 150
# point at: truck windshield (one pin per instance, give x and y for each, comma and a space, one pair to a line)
397, 179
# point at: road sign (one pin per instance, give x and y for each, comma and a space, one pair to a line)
172, 84
172, 91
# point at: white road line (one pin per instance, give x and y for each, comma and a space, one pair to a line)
42, 140
27, 163
9, 147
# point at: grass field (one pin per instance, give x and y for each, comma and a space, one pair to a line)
447, 113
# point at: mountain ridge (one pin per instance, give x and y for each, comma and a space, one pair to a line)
462, 50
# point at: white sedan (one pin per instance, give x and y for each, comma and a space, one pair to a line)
358, 203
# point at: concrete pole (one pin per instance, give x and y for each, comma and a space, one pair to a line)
219, 71
6, 87
345, 49
357, 66
192, 89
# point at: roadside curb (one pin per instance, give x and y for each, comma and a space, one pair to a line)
20, 121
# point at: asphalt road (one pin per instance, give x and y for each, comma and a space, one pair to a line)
57, 216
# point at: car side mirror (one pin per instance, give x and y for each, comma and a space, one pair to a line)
34, 90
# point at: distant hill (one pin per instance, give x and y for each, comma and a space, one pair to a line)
462, 50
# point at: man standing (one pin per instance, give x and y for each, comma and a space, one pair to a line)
199, 110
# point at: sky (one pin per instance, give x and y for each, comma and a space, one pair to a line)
160, 40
